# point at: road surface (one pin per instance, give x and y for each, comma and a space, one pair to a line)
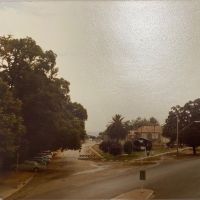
177, 180
70, 178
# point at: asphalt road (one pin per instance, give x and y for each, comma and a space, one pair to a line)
176, 180
171, 179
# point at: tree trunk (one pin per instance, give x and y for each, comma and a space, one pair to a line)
194, 150
1, 162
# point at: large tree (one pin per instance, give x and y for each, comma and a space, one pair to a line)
170, 127
117, 130
191, 136
52, 120
11, 125
188, 117
153, 121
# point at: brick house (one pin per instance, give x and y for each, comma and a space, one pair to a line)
153, 133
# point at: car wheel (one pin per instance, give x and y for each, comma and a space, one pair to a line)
35, 169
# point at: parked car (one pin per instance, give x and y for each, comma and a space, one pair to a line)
42, 158
30, 165
43, 154
142, 144
48, 152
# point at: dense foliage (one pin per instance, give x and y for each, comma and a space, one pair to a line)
188, 117
115, 148
105, 146
128, 147
45, 115
116, 130
139, 122
11, 124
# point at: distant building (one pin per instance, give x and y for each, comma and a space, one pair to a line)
153, 133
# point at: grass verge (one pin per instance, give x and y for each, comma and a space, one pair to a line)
135, 155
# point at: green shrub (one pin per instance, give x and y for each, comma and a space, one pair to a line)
128, 147
115, 148
105, 146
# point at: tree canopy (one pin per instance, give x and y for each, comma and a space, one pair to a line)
50, 118
139, 122
12, 128
188, 116
116, 130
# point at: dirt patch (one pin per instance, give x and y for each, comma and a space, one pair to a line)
12, 178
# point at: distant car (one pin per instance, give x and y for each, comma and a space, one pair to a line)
45, 155
142, 144
41, 158
30, 165
48, 152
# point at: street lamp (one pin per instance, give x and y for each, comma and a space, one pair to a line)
178, 132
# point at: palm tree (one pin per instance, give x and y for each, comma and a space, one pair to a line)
116, 130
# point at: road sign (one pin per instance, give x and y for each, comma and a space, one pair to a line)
142, 175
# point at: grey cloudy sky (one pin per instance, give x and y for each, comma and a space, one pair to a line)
135, 58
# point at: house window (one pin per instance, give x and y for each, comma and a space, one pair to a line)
155, 136
144, 135
149, 136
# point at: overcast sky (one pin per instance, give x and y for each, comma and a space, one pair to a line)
135, 58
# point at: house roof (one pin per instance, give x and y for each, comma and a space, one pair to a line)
149, 129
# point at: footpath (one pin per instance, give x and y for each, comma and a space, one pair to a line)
11, 182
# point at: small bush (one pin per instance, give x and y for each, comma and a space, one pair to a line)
105, 146
115, 148
128, 147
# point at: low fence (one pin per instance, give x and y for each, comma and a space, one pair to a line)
96, 153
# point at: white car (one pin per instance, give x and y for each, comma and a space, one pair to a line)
30, 165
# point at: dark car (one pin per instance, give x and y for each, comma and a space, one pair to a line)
142, 144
